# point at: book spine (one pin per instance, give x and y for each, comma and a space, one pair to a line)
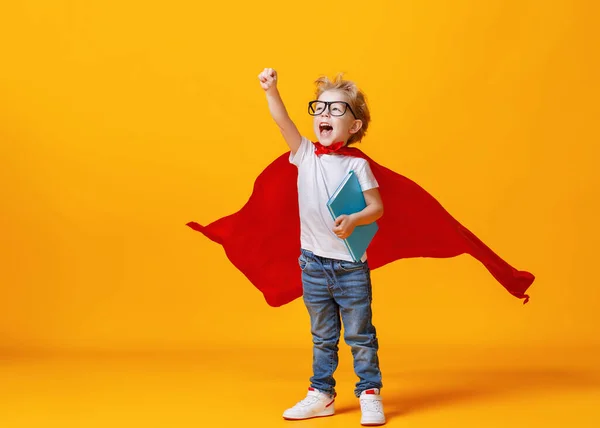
345, 241
332, 197
351, 252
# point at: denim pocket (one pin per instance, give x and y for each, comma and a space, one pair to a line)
302, 262
351, 266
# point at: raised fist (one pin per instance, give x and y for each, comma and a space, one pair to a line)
268, 79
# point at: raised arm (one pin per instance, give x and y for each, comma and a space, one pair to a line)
291, 135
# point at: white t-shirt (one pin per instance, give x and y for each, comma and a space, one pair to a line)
318, 178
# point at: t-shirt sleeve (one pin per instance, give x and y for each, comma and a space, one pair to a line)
303, 152
365, 176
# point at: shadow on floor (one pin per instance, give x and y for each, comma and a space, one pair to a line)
456, 387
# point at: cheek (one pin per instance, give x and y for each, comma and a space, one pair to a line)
343, 127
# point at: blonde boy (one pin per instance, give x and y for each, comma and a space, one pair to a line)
336, 290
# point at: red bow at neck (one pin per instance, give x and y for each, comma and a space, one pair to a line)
338, 148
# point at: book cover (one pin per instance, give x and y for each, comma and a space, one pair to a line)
347, 199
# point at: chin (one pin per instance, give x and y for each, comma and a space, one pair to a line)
329, 141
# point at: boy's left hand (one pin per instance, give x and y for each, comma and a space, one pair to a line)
344, 226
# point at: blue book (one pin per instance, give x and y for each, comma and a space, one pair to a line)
349, 199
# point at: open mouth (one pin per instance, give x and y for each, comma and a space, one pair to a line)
325, 129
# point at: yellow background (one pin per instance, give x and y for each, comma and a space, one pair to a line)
122, 121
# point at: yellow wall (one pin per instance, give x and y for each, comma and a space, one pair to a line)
122, 121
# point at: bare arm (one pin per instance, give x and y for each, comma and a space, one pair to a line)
291, 135
345, 224
372, 212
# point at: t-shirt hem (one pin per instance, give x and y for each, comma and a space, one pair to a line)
330, 255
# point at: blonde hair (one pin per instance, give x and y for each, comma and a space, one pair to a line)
356, 99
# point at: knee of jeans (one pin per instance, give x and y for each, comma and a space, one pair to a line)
330, 340
356, 338
332, 346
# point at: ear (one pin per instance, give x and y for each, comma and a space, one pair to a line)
356, 126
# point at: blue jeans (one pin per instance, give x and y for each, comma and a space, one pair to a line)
338, 291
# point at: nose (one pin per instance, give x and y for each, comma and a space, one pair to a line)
325, 111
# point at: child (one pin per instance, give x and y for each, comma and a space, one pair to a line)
336, 290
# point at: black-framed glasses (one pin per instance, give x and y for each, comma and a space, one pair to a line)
336, 108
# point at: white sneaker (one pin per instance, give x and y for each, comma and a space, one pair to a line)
315, 405
371, 408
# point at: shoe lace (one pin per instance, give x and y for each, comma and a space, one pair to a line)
307, 401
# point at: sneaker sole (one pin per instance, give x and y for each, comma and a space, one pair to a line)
323, 414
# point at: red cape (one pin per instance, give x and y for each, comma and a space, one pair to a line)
263, 238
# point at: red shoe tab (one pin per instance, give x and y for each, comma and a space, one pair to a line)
370, 391
311, 389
